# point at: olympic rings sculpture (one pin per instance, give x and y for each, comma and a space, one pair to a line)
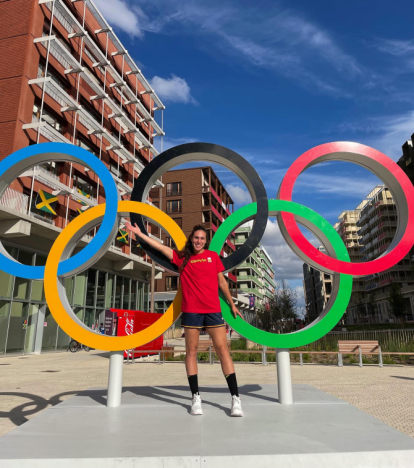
61, 264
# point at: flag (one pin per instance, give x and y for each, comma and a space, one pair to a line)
123, 236
251, 301
86, 195
46, 202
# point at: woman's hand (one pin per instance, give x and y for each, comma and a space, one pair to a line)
135, 229
236, 312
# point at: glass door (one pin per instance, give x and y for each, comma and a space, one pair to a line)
31, 328
17, 327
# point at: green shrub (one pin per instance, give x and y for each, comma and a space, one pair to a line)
203, 356
306, 357
388, 360
255, 357
238, 344
352, 358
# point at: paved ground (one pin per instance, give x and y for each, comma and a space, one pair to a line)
29, 384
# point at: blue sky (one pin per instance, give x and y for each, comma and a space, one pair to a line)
271, 80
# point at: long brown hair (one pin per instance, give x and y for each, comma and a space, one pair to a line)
187, 251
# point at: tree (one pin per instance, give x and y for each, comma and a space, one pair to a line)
360, 309
281, 312
397, 302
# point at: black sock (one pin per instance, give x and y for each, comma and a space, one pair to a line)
232, 383
193, 381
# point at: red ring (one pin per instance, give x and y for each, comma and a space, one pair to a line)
357, 269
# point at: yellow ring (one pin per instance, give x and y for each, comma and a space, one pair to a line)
71, 324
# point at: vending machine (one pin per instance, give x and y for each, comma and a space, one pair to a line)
133, 321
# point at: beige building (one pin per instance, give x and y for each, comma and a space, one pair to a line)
255, 277
367, 232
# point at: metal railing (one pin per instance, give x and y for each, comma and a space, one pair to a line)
14, 200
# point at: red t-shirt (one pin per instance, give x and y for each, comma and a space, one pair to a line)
199, 282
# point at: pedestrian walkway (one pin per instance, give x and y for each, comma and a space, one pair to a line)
29, 384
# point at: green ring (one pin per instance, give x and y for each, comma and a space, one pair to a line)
321, 326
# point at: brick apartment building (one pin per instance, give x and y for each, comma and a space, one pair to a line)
190, 197
66, 77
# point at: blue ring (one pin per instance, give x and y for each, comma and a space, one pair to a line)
111, 193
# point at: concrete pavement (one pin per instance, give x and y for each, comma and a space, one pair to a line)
29, 384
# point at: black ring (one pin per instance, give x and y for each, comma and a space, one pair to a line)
215, 154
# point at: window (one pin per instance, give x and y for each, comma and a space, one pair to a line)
83, 144
174, 189
172, 283
84, 187
174, 206
168, 241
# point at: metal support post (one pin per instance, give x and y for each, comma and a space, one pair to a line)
340, 361
152, 285
284, 378
380, 357
209, 351
264, 358
301, 359
116, 362
360, 357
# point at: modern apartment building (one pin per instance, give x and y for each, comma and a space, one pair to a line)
192, 196
376, 223
348, 229
317, 288
255, 277
66, 77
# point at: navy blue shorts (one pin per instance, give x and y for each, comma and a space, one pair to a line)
202, 321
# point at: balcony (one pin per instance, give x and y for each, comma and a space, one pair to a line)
14, 200
253, 291
71, 65
249, 278
176, 210
250, 265
75, 29
174, 193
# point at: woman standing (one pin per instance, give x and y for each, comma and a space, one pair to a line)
201, 274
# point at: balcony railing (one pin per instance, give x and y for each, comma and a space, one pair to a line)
174, 193
14, 200
174, 210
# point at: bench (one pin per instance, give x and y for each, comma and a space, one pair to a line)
359, 347
207, 345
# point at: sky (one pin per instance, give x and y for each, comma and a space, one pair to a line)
271, 80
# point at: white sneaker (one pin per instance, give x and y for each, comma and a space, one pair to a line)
196, 405
236, 409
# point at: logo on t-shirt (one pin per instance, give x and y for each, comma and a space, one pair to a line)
209, 259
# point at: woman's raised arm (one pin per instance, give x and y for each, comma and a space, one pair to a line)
167, 251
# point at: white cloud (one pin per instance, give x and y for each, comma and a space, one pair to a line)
239, 195
385, 133
395, 47
170, 142
174, 89
335, 185
119, 14
275, 38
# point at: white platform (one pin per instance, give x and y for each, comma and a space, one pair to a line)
153, 429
